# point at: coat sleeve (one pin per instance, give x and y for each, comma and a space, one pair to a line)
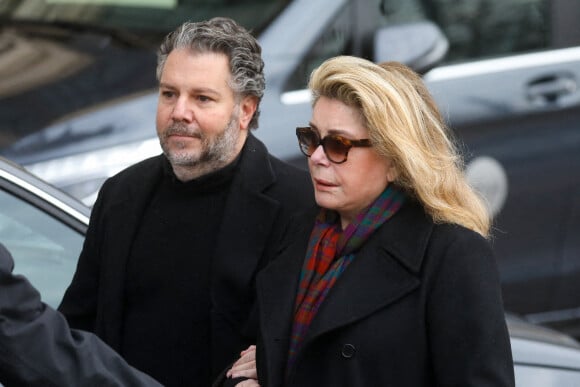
467, 331
37, 347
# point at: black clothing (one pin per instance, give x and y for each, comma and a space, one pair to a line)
262, 196
420, 305
179, 215
37, 347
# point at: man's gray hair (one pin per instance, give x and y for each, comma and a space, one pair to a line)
222, 35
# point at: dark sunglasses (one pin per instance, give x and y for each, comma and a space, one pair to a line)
335, 147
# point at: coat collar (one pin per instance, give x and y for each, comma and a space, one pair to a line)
383, 271
255, 175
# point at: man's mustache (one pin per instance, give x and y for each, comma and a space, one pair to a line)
182, 130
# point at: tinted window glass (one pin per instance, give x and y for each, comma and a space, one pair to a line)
476, 29
44, 249
480, 28
134, 20
336, 40
60, 58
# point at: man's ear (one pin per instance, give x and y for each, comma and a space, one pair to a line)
248, 106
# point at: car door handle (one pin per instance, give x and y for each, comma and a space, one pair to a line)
550, 88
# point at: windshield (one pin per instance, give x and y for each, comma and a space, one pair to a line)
59, 58
148, 19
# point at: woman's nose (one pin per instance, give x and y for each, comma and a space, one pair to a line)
318, 156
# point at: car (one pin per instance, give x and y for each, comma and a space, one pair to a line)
43, 227
508, 87
543, 357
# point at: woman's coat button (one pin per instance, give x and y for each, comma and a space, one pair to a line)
348, 351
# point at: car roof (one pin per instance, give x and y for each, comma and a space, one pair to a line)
39, 191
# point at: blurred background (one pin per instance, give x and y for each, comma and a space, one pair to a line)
78, 99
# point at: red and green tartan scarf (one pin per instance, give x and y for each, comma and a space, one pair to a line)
330, 250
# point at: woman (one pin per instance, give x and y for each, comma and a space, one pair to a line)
396, 284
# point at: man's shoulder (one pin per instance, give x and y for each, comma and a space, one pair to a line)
141, 174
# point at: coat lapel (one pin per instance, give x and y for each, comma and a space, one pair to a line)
383, 271
127, 211
247, 226
371, 282
277, 285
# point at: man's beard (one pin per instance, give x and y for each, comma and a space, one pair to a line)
215, 152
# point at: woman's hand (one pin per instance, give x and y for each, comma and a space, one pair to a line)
245, 366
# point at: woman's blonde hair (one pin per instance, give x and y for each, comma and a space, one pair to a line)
406, 127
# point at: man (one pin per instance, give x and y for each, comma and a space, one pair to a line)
37, 347
166, 275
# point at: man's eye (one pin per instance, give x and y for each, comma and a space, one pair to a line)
167, 94
204, 98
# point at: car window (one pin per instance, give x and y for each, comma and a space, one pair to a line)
44, 249
336, 40
60, 59
480, 28
134, 21
475, 29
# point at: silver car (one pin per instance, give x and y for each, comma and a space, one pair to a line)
543, 357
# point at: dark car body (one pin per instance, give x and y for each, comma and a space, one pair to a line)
508, 87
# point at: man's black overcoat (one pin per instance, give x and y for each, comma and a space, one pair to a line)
263, 195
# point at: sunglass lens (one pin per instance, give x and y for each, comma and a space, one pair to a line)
336, 148
308, 141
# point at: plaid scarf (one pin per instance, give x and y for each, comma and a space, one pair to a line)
321, 268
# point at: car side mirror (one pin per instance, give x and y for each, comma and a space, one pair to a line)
421, 45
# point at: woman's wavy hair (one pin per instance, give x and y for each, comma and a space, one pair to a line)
222, 35
406, 127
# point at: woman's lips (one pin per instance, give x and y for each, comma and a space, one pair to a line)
321, 184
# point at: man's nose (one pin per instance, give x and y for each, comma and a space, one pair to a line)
183, 111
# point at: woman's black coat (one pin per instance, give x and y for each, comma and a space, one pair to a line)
420, 305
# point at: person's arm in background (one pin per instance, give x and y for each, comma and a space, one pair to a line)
38, 348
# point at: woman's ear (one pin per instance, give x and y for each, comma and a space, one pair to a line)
392, 172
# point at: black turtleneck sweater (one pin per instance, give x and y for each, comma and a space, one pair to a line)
168, 276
